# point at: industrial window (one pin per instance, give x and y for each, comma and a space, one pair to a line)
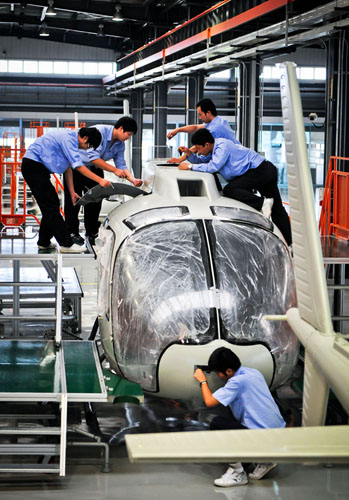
30, 66
15, 66
75, 68
90, 68
60, 67
57, 67
303, 73
46, 67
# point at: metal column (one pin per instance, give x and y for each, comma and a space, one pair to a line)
337, 100
160, 120
194, 94
137, 109
248, 108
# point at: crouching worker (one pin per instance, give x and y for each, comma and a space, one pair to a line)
57, 152
253, 407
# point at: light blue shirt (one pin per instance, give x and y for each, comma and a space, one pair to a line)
56, 150
105, 150
249, 398
220, 128
227, 158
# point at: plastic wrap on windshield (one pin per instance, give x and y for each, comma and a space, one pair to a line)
240, 214
105, 245
147, 217
255, 278
160, 295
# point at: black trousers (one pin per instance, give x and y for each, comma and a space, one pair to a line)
91, 211
37, 176
224, 423
263, 179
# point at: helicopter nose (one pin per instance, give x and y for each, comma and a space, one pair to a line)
178, 362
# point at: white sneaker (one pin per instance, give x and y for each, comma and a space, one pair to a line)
74, 249
267, 207
50, 246
261, 470
231, 478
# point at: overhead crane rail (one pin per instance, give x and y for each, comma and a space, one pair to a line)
240, 35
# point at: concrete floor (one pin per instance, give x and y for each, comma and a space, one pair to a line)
184, 481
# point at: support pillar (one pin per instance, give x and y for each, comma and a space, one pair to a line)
194, 94
137, 109
160, 120
21, 127
337, 100
248, 106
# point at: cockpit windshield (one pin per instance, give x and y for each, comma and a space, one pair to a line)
169, 288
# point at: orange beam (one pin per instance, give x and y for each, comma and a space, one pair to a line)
235, 21
176, 28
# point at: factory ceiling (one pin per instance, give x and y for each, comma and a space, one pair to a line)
226, 34
122, 25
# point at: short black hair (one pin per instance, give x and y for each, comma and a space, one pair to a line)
93, 135
201, 136
207, 105
221, 359
127, 123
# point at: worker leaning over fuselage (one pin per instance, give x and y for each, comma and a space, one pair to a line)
57, 152
245, 172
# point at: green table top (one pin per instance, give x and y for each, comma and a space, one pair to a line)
33, 368
80, 367
29, 366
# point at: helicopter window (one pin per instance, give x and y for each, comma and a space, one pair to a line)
162, 293
155, 215
254, 276
239, 214
191, 188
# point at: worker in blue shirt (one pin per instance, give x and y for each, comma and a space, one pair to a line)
112, 147
245, 172
218, 126
57, 152
251, 403
207, 113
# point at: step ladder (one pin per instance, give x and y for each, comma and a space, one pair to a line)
53, 265
38, 373
23, 287
35, 371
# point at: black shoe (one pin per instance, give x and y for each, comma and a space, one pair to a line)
91, 240
77, 239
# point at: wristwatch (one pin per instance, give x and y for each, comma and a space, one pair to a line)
190, 166
203, 382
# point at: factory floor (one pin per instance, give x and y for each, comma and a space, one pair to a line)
129, 481
85, 480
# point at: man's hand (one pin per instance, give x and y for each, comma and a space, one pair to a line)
183, 166
174, 160
172, 134
104, 183
74, 198
184, 150
119, 172
199, 375
135, 182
